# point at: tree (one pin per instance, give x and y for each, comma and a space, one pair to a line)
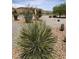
60, 10
37, 41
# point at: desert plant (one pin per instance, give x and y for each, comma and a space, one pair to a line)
58, 20
64, 39
39, 13
15, 15
50, 16
37, 41
62, 27
28, 16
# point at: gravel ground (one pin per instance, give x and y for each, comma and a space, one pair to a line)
60, 46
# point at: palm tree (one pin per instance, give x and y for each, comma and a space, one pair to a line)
36, 41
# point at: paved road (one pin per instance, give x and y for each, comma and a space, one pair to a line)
53, 21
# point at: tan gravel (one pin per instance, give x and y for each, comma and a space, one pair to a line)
60, 46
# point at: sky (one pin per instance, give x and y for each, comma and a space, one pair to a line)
43, 4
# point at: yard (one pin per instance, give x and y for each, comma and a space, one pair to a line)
55, 26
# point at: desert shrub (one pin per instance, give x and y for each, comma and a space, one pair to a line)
58, 20
15, 15
64, 39
37, 41
39, 13
50, 16
28, 17
54, 16
62, 27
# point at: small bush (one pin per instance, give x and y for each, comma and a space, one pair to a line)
54, 16
37, 41
62, 27
64, 39
50, 16
58, 20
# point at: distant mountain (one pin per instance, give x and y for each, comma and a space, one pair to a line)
30, 9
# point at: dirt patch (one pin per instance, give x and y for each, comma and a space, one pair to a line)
60, 45
16, 53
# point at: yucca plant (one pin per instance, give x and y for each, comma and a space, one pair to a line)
36, 41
